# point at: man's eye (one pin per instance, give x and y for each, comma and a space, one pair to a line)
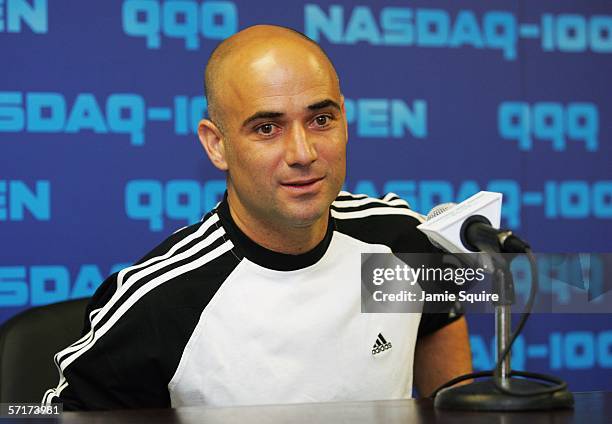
265, 129
322, 120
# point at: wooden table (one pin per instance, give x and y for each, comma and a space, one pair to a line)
590, 408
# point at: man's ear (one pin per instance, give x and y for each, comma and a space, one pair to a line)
213, 142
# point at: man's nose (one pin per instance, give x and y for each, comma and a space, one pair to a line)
300, 148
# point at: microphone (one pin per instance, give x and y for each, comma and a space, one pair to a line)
471, 226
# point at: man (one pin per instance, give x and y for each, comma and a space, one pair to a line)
260, 301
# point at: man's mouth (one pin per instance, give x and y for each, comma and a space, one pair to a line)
302, 184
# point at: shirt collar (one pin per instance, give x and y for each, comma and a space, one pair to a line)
245, 247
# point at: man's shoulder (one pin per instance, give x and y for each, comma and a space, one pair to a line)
361, 206
387, 220
193, 260
195, 240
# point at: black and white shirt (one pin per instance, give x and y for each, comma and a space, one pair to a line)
211, 318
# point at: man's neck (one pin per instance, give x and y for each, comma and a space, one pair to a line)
282, 239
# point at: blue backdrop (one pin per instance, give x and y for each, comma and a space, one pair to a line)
99, 161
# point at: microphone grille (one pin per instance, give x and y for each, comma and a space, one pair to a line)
439, 210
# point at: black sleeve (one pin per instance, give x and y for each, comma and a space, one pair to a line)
436, 315
120, 370
432, 322
136, 328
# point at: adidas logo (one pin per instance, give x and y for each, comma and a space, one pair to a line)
381, 345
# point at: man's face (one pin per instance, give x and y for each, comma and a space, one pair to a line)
285, 137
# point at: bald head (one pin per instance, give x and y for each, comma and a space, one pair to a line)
235, 57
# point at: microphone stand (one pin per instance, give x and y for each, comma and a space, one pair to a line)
504, 287
503, 391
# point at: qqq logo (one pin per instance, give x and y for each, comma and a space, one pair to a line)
152, 200
550, 122
186, 20
14, 13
